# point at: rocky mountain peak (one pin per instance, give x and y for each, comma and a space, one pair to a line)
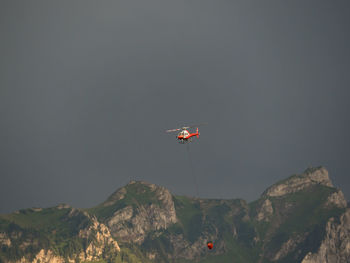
137, 208
133, 187
311, 176
152, 225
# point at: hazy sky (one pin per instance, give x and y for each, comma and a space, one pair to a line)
87, 89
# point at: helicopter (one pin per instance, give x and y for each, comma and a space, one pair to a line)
184, 135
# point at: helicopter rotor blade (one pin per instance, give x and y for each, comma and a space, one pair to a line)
187, 127
173, 130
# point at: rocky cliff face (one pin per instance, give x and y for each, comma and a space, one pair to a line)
132, 224
102, 240
264, 211
134, 221
92, 239
336, 199
335, 247
288, 246
295, 183
300, 204
142, 214
300, 219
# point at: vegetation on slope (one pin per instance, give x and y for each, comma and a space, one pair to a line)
238, 231
49, 228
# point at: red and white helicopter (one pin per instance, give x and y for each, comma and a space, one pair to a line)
184, 135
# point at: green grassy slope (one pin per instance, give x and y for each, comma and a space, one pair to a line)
296, 215
49, 228
231, 224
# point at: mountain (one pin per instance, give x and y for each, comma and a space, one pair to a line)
303, 218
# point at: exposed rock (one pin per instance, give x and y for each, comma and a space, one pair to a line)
102, 238
63, 206
265, 211
75, 212
288, 247
120, 216
337, 199
5, 240
190, 251
47, 257
116, 196
99, 240
146, 210
295, 183
132, 224
335, 247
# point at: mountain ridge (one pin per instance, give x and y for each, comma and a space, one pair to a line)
294, 220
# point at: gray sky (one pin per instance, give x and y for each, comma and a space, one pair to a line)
87, 89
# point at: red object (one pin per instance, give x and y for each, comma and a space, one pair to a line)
210, 245
185, 135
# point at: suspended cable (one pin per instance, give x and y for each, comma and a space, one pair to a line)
192, 169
